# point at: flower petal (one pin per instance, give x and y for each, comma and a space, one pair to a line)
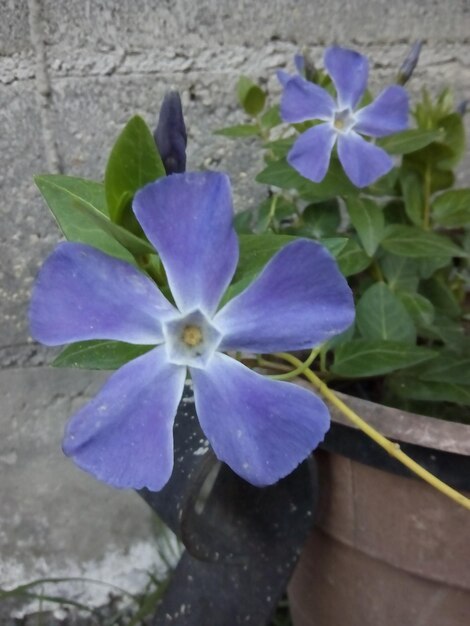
349, 71
386, 115
302, 100
188, 218
260, 427
124, 435
299, 300
82, 293
310, 154
363, 161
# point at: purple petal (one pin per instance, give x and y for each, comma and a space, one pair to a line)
386, 115
310, 154
170, 134
299, 300
363, 162
82, 293
302, 101
124, 435
349, 71
260, 427
188, 218
283, 77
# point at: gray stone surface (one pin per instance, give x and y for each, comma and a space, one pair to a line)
71, 74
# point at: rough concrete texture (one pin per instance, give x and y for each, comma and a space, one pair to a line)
71, 74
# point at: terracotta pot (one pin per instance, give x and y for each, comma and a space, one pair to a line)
387, 549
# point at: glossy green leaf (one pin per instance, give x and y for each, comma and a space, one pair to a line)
400, 272
368, 220
99, 354
251, 97
381, 315
419, 308
448, 368
240, 130
271, 118
452, 208
454, 139
428, 267
439, 293
322, 218
134, 161
409, 140
414, 389
80, 209
352, 259
412, 242
413, 195
447, 330
362, 358
334, 245
280, 174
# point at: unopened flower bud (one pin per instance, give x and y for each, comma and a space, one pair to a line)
409, 64
170, 134
462, 107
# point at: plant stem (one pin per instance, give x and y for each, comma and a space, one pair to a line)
427, 198
392, 448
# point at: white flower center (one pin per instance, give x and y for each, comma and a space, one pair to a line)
190, 339
344, 120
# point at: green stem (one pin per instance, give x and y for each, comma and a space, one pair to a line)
392, 448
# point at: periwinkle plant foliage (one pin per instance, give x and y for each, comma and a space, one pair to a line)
403, 242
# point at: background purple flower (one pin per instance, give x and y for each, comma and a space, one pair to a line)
260, 427
362, 161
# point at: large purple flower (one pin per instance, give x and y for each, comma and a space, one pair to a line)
363, 161
261, 427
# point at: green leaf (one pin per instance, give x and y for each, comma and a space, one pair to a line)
448, 368
251, 97
352, 259
412, 242
280, 147
99, 355
446, 330
280, 174
400, 272
134, 161
413, 195
452, 208
414, 389
381, 315
439, 293
271, 118
368, 220
334, 245
322, 218
409, 140
255, 252
454, 139
80, 210
361, 357
420, 308
428, 267
240, 130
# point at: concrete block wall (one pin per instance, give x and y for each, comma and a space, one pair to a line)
71, 74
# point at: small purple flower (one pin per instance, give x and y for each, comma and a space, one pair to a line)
362, 161
260, 427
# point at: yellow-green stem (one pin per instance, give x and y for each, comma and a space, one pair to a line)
392, 448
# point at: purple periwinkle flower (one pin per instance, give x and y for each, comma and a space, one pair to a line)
262, 428
363, 161
170, 135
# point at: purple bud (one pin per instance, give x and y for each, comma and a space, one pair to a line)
170, 134
409, 64
462, 107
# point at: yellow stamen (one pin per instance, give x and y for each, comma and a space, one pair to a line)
192, 336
